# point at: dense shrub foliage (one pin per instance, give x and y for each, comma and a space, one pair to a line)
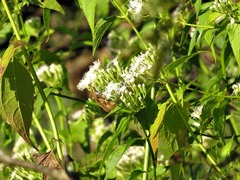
119, 89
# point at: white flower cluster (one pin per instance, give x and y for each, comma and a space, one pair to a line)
132, 155
135, 7
51, 75
236, 89
121, 85
197, 111
219, 5
225, 7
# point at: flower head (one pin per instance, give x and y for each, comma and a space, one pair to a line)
52, 75
197, 111
236, 89
89, 77
135, 7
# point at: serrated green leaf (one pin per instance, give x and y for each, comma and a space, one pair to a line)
170, 67
54, 5
101, 27
116, 156
88, 8
233, 34
16, 102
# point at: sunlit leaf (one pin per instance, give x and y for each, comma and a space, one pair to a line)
7, 56
227, 149
155, 128
88, 8
54, 5
233, 34
197, 5
16, 102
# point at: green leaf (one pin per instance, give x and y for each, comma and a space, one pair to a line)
101, 27
104, 137
54, 5
197, 5
233, 34
154, 129
7, 56
227, 149
16, 102
170, 67
135, 174
79, 133
88, 8
47, 56
116, 156
39, 101
173, 129
158, 121
46, 19
121, 127
147, 115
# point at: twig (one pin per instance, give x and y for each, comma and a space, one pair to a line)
57, 174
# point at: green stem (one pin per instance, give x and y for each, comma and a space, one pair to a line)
235, 129
30, 66
130, 22
61, 110
146, 159
40, 129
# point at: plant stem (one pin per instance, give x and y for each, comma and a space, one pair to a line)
30, 66
130, 22
235, 129
40, 129
146, 159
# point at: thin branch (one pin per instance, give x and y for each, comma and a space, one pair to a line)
58, 174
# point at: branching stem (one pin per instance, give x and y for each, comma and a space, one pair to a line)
30, 66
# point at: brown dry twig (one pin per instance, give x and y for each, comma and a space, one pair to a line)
57, 174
